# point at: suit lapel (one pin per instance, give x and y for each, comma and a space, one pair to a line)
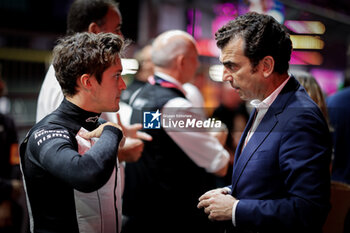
245, 132
264, 129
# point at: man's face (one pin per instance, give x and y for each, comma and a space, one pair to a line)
147, 66
113, 22
106, 95
239, 72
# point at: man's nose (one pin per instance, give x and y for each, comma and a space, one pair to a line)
226, 76
122, 85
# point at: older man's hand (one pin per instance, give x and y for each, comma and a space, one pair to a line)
217, 204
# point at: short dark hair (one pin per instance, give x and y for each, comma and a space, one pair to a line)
262, 35
84, 53
83, 12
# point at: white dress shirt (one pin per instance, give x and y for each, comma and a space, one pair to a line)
194, 95
201, 147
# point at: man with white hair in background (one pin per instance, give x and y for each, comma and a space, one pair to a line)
162, 188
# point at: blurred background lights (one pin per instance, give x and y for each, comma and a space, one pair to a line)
305, 27
306, 58
130, 66
277, 15
216, 72
306, 42
330, 80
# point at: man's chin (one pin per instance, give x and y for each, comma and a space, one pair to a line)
116, 109
243, 97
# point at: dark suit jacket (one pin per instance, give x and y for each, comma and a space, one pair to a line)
281, 177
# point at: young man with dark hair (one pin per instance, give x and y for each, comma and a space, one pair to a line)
72, 186
84, 16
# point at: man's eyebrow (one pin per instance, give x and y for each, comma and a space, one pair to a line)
227, 63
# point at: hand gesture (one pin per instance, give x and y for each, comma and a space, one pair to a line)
132, 131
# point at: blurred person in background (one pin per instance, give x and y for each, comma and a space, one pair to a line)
5, 105
313, 89
11, 213
339, 115
194, 95
71, 177
144, 71
280, 180
162, 188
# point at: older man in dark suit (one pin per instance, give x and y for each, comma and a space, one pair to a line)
280, 180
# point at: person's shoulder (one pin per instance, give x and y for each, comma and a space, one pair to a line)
300, 100
43, 139
50, 79
44, 132
194, 95
299, 107
341, 95
179, 102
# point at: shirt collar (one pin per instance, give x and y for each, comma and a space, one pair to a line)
170, 79
79, 116
267, 102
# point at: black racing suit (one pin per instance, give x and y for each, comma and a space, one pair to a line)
53, 170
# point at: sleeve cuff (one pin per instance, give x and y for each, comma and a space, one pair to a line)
234, 212
114, 130
227, 189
